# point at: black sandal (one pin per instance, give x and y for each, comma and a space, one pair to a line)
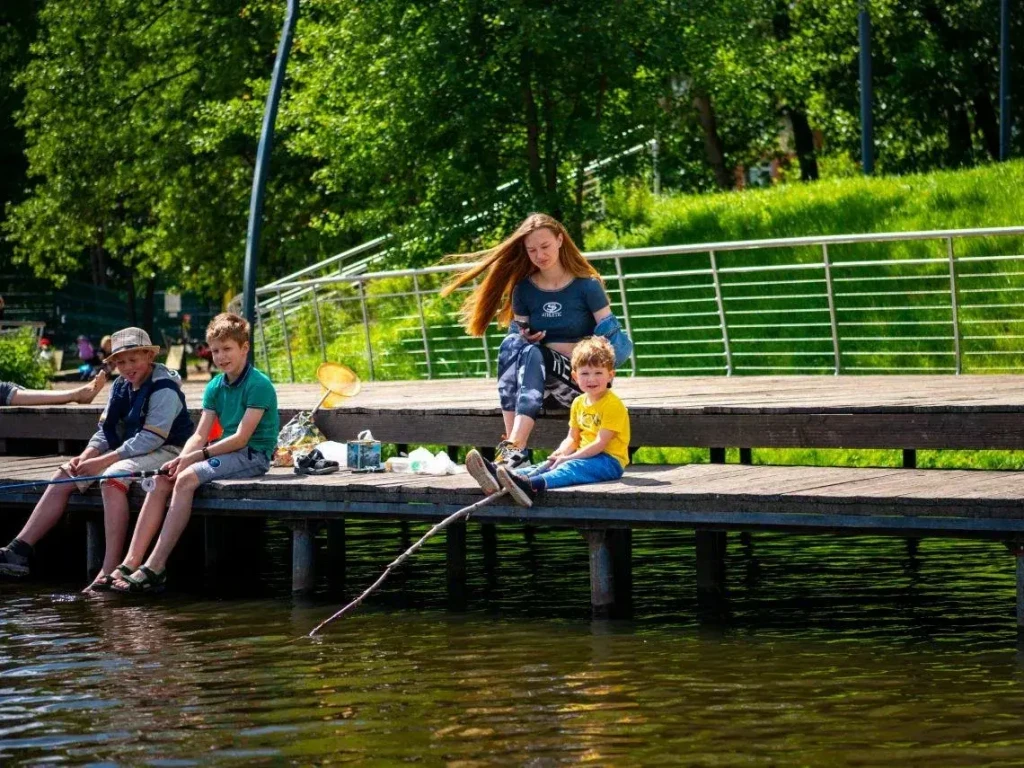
106, 582
151, 582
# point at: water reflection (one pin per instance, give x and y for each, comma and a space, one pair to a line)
850, 651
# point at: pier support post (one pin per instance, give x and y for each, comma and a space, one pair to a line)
336, 555
95, 544
303, 551
1019, 553
711, 546
455, 535
611, 572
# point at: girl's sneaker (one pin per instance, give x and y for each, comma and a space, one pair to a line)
511, 455
518, 487
483, 471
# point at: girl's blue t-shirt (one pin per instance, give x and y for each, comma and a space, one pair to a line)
566, 314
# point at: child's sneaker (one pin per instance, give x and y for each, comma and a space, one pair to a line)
518, 487
12, 564
483, 471
511, 455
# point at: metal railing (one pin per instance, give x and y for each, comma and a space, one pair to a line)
937, 301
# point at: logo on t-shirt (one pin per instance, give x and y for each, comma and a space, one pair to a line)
590, 420
552, 309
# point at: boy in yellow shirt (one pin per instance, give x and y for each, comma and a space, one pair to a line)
596, 448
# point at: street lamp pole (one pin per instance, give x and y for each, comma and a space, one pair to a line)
259, 179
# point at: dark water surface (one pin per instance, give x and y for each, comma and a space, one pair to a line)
828, 651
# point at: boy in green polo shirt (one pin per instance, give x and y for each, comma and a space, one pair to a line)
243, 399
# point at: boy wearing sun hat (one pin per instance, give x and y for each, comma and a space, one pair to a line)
144, 425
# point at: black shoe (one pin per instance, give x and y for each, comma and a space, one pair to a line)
483, 471
12, 564
518, 487
509, 454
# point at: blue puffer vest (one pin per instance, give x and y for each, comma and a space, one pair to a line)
128, 409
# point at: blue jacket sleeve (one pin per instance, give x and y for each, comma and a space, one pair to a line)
612, 330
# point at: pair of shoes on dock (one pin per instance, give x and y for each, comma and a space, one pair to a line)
492, 477
314, 463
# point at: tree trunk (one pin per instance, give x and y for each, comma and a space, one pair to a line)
132, 313
986, 120
551, 199
958, 135
148, 308
803, 137
575, 225
532, 131
712, 141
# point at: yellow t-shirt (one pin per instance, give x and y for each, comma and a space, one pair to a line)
607, 413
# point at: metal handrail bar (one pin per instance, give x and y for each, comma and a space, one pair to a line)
362, 248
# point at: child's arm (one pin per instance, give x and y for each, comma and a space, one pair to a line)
603, 438
568, 445
237, 441
194, 445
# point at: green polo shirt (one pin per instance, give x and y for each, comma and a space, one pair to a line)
230, 400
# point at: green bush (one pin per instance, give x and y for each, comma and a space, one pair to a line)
19, 361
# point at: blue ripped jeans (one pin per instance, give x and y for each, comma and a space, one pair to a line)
596, 469
527, 373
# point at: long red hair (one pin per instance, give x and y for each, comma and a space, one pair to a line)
505, 265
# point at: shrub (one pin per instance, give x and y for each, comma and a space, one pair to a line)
19, 361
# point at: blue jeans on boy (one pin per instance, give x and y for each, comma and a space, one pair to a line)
596, 469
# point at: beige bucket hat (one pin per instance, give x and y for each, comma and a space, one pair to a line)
129, 339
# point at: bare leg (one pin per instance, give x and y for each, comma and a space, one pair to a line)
521, 429
150, 518
84, 394
177, 518
509, 417
48, 511
115, 525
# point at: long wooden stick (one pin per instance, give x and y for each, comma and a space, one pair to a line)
462, 514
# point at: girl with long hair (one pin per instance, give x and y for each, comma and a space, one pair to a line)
539, 284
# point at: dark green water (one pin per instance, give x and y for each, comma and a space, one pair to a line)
829, 651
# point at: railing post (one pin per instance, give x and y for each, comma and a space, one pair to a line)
831, 307
284, 333
319, 325
487, 352
721, 313
263, 335
366, 329
423, 323
953, 303
625, 311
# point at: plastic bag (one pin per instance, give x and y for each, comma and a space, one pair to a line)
299, 435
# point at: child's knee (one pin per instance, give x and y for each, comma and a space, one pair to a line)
110, 486
187, 480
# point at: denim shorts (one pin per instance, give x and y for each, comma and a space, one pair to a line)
7, 390
245, 462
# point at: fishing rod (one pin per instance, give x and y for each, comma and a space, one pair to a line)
120, 475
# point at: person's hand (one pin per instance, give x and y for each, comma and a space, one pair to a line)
172, 466
88, 468
534, 337
556, 461
183, 462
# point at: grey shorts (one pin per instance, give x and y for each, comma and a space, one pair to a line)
147, 461
7, 390
244, 462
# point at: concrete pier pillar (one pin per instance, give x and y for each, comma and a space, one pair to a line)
95, 544
455, 534
303, 553
336, 555
711, 546
602, 577
1019, 552
621, 545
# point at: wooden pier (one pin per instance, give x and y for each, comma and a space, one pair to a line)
969, 412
